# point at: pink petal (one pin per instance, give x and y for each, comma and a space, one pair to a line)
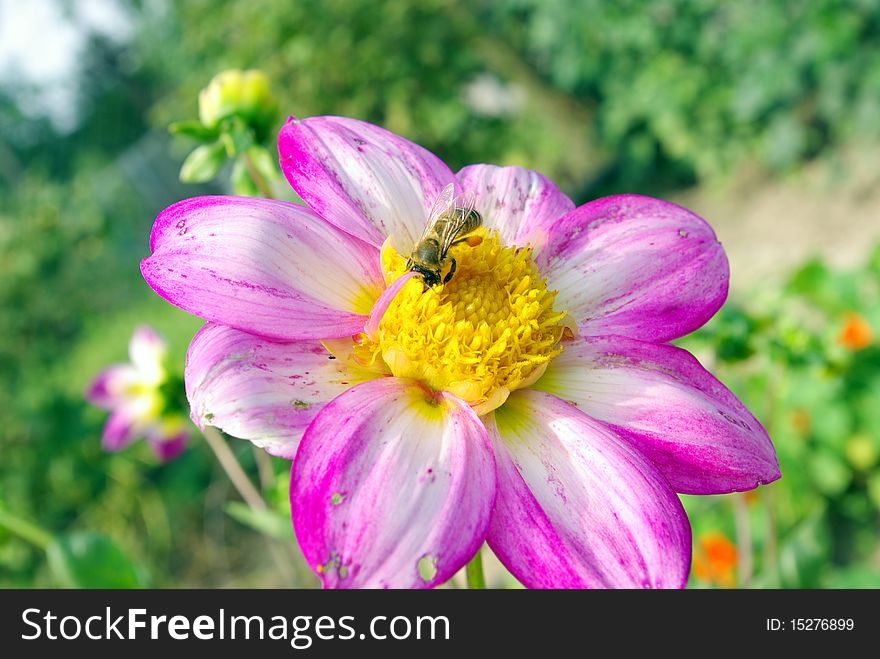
670, 408
122, 428
392, 487
371, 328
261, 390
108, 388
520, 204
577, 507
635, 266
362, 178
168, 448
262, 266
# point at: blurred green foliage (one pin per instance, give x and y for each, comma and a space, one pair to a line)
806, 360
600, 96
699, 87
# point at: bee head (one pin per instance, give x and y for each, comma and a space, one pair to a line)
430, 277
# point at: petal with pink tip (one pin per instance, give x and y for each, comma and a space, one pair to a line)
168, 448
670, 408
577, 507
261, 390
108, 389
635, 266
371, 328
123, 427
520, 204
263, 266
362, 178
392, 487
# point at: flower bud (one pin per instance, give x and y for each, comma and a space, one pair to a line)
243, 94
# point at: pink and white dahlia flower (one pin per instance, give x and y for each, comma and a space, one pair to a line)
136, 394
532, 402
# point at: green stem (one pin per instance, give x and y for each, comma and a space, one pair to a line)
770, 543
264, 468
256, 177
25, 530
474, 572
744, 558
233, 470
246, 490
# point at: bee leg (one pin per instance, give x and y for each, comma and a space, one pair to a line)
470, 241
450, 273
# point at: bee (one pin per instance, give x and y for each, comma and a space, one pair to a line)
448, 225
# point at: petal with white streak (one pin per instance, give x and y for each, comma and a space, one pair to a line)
110, 387
660, 399
392, 487
577, 507
119, 431
263, 266
520, 204
129, 421
261, 390
635, 266
362, 178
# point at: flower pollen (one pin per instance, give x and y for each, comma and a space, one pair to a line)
488, 331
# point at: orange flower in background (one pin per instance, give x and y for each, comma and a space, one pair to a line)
856, 333
801, 421
715, 559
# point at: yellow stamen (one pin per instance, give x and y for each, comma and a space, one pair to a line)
490, 330
145, 399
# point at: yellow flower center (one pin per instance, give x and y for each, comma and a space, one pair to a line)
490, 330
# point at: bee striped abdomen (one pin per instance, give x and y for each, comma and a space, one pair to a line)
470, 219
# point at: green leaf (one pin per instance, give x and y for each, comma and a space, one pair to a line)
203, 163
193, 129
811, 276
857, 576
830, 473
874, 261
268, 522
24, 529
242, 183
874, 490
236, 136
84, 559
266, 167
802, 557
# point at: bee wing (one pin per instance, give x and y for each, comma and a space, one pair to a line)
444, 202
466, 203
453, 228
